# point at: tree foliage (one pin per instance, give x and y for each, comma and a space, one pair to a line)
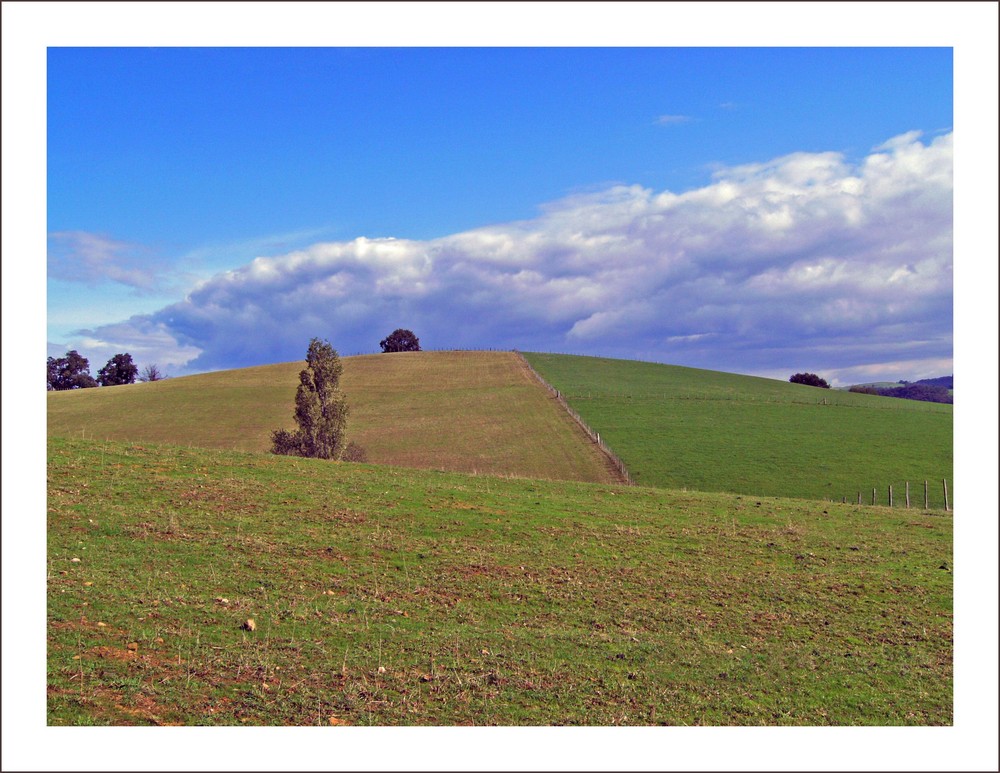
809, 379
400, 340
320, 408
69, 372
118, 370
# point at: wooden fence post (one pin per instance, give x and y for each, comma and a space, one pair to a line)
859, 497
890, 495
926, 500
907, 494
873, 495
944, 481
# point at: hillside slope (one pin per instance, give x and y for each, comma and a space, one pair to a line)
411, 597
461, 411
682, 427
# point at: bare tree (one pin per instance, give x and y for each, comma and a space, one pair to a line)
151, 373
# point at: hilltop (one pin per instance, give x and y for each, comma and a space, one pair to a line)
483, 412
477, 412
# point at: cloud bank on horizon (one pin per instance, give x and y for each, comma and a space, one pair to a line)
804, 262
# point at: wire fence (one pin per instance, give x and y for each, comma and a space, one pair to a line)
595, 436
887, 496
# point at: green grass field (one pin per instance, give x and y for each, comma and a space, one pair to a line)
687, 428
406, 597
460, 411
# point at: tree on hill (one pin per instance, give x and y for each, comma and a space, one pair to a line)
118, 370
151, 373
320, 408
809, 379
69, 372
400, 341
922, 392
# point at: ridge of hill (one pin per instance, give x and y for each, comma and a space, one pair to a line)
946, 382
483, 412
469, 411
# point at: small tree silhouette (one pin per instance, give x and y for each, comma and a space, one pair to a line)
400, 340
118, 370
151, 373
69, 372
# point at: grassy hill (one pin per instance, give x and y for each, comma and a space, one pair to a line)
682, 427
396, 596
461, 411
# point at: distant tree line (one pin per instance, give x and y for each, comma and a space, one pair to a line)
73, 372
928, 393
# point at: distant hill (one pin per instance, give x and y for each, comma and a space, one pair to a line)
679, 427
929, 390
946, 382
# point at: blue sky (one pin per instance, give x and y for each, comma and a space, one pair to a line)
171, 170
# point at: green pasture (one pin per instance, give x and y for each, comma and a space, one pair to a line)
393, 596
682, 427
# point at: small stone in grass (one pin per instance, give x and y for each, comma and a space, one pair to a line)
250, 625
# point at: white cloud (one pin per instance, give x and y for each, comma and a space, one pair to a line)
79, 256
803, 262
669, 120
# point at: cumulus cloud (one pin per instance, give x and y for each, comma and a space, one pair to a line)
807, 261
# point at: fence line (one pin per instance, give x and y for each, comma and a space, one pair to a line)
891, 502
618, 464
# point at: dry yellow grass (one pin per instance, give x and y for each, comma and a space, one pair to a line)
477, 412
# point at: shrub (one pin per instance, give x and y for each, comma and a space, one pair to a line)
286, 443
809, 379
355, 453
